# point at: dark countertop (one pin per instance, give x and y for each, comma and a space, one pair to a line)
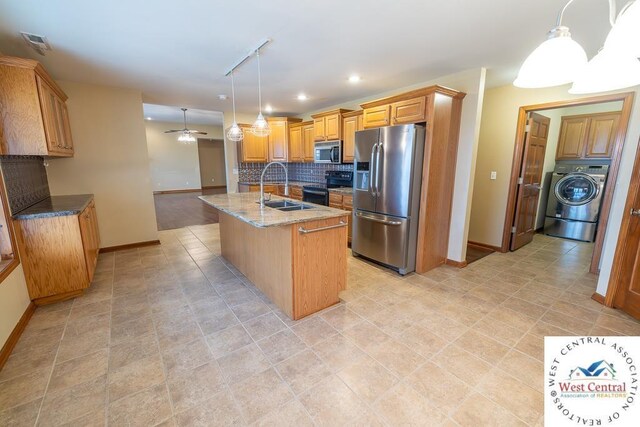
56, 206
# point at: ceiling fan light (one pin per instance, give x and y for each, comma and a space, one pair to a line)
261, 126
608, 70
186, 138
625, 34
555, 62
235, 133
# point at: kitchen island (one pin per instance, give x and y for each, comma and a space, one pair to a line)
296, 257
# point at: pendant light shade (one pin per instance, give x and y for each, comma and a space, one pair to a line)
260, 126
555, 62
235, 132
609, 70
625, 34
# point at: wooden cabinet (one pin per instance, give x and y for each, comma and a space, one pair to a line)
278, 141
589, 136
295, 192
58, 254
250, 188
253, 149
407, 109
344, 202
33, 111
327, 126
308, 141
296, 147
351, 123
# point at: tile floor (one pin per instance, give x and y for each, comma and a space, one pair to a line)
170, 335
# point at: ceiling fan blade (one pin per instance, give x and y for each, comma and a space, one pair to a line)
173, 130
196, 131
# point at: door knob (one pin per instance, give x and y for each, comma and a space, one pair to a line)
634, 212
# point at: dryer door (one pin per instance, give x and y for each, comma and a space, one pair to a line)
578, 197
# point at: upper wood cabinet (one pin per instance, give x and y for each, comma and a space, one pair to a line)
33, 113
252, 149
327, 126
308, 142
351, 123
279, 138
301, 142
587, 136
406, 109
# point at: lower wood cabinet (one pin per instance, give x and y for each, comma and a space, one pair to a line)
58, 254
249, 188
344, 202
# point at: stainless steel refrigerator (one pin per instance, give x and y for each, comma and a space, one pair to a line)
386, 196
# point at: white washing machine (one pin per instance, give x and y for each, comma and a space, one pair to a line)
575, 198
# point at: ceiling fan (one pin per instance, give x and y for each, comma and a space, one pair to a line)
186, 135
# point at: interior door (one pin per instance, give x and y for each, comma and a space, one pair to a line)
530, 180
364, 196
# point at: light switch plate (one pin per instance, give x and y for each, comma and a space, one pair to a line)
494, 174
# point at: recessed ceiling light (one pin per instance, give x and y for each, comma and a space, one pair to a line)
302, 97
149, 118
223, 97
268, 108
354, 78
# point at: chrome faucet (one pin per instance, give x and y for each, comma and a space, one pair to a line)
286, 181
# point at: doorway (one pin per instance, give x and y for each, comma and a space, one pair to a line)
571, 124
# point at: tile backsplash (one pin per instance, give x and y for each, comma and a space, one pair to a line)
307, 172
25, 180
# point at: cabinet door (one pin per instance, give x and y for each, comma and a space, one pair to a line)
278, 141
332, 126
319, 129
49, 106
296, 152
376, 116
602, 135
88, 239
64, 127
254, 148
409, 111
308, 142
349, 128
571, 144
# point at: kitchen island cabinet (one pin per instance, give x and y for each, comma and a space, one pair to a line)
298, 259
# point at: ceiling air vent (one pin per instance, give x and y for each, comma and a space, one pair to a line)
37, 43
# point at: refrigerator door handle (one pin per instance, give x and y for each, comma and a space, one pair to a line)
378, 153
374, 219
371, 168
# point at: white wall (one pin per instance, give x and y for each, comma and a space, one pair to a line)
110, 161
174, 165
14, 300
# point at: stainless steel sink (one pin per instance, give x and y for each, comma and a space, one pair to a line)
286, 205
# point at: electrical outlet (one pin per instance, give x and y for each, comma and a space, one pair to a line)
494, 174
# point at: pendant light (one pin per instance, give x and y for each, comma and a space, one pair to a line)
555, 62
235, 132
260, 126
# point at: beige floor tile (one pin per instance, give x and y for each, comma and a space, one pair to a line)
243, 363
173, 334
22, 415
77, 371
33, 340
23, 389
228, 340
525, 368
618, 324
574, 325
341, 318
303, 371
477, 410
132, 329
521, 400
220, 410
487, 349
250, 310
422, 341
91, 309
72, 403
215, 321
146, 408
532, 345
132, 350
135, 376
365, 335
333, 403
260, 394
529, 309
368, 379
462, 364
291, 414
264, 326
499, 331
190, 388
313, 330
443, 389
186, 357
40, 358
403, 405
281, 346
396, 357
338, 352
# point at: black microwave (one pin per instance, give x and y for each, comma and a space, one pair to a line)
328, 152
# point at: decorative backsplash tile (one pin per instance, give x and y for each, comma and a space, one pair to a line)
25, 180
307, 172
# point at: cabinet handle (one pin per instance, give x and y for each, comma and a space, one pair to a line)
329, 227
634, 212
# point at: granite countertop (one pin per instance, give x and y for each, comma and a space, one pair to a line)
291, 183
56, 206
245, 207
345, 191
